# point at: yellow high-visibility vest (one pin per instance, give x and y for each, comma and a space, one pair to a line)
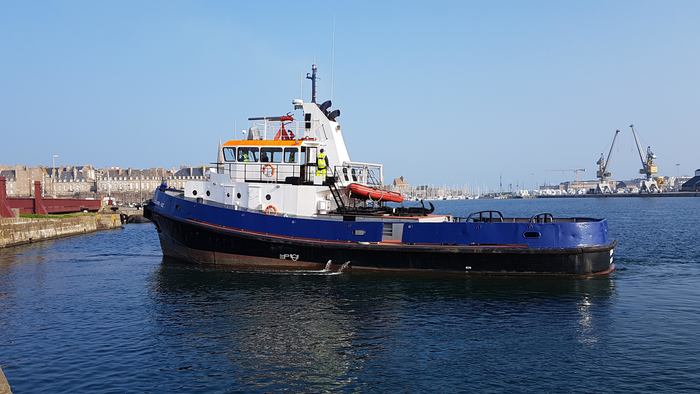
321, 161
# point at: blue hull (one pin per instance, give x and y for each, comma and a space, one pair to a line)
212, 233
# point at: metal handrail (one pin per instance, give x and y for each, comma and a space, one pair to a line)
268, 128
279, 173
363, 173
544, 217
482, 216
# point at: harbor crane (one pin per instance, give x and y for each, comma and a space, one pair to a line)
649, 184
603, 174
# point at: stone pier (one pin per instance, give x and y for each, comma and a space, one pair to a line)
4, 386
18, 231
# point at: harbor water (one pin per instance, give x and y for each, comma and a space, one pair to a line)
103, 313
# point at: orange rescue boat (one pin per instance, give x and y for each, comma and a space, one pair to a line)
374, 194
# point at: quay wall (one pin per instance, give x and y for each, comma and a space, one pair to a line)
4, 385
18, 231
626, 195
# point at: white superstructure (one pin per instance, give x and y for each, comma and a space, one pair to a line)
278, 173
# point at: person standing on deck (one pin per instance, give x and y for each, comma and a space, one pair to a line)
321, 164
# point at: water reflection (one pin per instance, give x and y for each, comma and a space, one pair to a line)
293, 331
32, 274
271, 328
28, 253
586, 332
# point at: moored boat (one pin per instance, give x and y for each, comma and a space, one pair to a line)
297, 201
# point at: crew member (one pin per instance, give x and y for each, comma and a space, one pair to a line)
321, 164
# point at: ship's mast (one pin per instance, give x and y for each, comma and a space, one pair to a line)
312, 77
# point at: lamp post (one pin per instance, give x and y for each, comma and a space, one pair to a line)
53, 175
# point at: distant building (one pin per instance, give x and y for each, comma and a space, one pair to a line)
70, 181
400, 185
20, 179
693, 185
10, 180
674, 183
422, 192
579, 186
560, 187
130, 185
185, 174
629, 186
133, 185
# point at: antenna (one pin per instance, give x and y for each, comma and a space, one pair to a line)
333, 60
312, 77
219, 155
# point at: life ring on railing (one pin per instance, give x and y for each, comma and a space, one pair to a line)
270, 210
268, 170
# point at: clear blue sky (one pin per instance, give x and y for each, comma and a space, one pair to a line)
441, 92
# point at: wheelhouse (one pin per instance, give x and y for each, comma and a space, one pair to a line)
275, 161
290, 161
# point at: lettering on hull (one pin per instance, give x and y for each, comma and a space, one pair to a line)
289, 256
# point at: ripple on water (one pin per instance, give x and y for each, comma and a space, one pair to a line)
103, 313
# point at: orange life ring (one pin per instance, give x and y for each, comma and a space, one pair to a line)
268, 170
270, 210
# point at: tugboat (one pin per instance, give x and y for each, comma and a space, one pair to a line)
297, 201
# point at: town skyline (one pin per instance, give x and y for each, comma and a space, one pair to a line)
544, 85
135, 185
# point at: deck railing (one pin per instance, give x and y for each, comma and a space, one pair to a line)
357, 172
300, 174
268, 128
297, 174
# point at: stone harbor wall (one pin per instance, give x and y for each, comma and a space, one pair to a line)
18, 231
4, 386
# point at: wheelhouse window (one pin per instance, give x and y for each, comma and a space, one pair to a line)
291, 155
230, 154
248, 155
271, 155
